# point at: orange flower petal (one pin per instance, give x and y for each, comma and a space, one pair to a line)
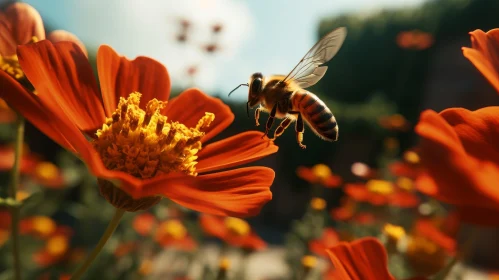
328, 239
119, 77
357, 191
404, 199
63, 79
191, 105
236, 150
213, 226
474, 130
63, 35
239, 192
250, 242
448, 166
59, 129
19, 22
484, 54
306, 174
364, 259
427, 229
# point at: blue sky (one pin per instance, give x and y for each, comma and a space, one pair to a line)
260, 35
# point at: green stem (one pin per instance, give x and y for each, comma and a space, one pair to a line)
14, 183
113, 224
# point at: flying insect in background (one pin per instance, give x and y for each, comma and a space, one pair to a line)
285, 97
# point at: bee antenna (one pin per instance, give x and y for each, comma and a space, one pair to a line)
238, 87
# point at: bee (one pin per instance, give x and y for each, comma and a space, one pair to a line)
285, 97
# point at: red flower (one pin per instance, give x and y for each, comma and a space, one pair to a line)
328, 239
233, 231
459, 152
172, 233
415, 39
427, 229
319, 174
28, 160
19, 23
144, 223
379, 192
484, 54
166, 156
363, 259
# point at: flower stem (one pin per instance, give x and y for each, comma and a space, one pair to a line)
14, 183
109, 231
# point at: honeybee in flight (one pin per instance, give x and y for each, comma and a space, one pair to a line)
285, 97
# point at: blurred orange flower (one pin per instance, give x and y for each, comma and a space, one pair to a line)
484, 54
5, 222
144, 223
57, 247
166, 157
459, 152
395, 122
233, 231
28, 160
19, 23
48, 175
172, 233
365, 259
328, 239
319, 174
40, 226
125, 248
415, 40
428, 229
345, 211
380, 192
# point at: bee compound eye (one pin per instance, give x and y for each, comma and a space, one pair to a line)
256, 86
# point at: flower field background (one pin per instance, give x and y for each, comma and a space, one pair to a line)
116, 167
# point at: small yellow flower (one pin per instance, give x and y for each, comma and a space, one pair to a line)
57, 245
411, 157
322, 171
380, 186
224, 264
43, 225
237, 226
309, 261
318, 204
173, 228
393, 232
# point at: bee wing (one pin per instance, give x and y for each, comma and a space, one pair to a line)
308, 71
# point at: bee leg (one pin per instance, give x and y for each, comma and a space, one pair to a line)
299, 128
284, 124
270, 120
257, 115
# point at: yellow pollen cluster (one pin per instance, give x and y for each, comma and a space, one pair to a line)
144, 144
237, 226
322, 171
10, 64
380, 187
174, 229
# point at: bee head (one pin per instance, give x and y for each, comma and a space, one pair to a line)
255, 88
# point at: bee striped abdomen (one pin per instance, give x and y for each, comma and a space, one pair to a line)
317, 114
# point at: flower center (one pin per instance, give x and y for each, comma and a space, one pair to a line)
57, 245
143, 144
43, 225
393, 232
10, 64
380, 187
173, 228
318, 204
322, 171
46, 171
237, 226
